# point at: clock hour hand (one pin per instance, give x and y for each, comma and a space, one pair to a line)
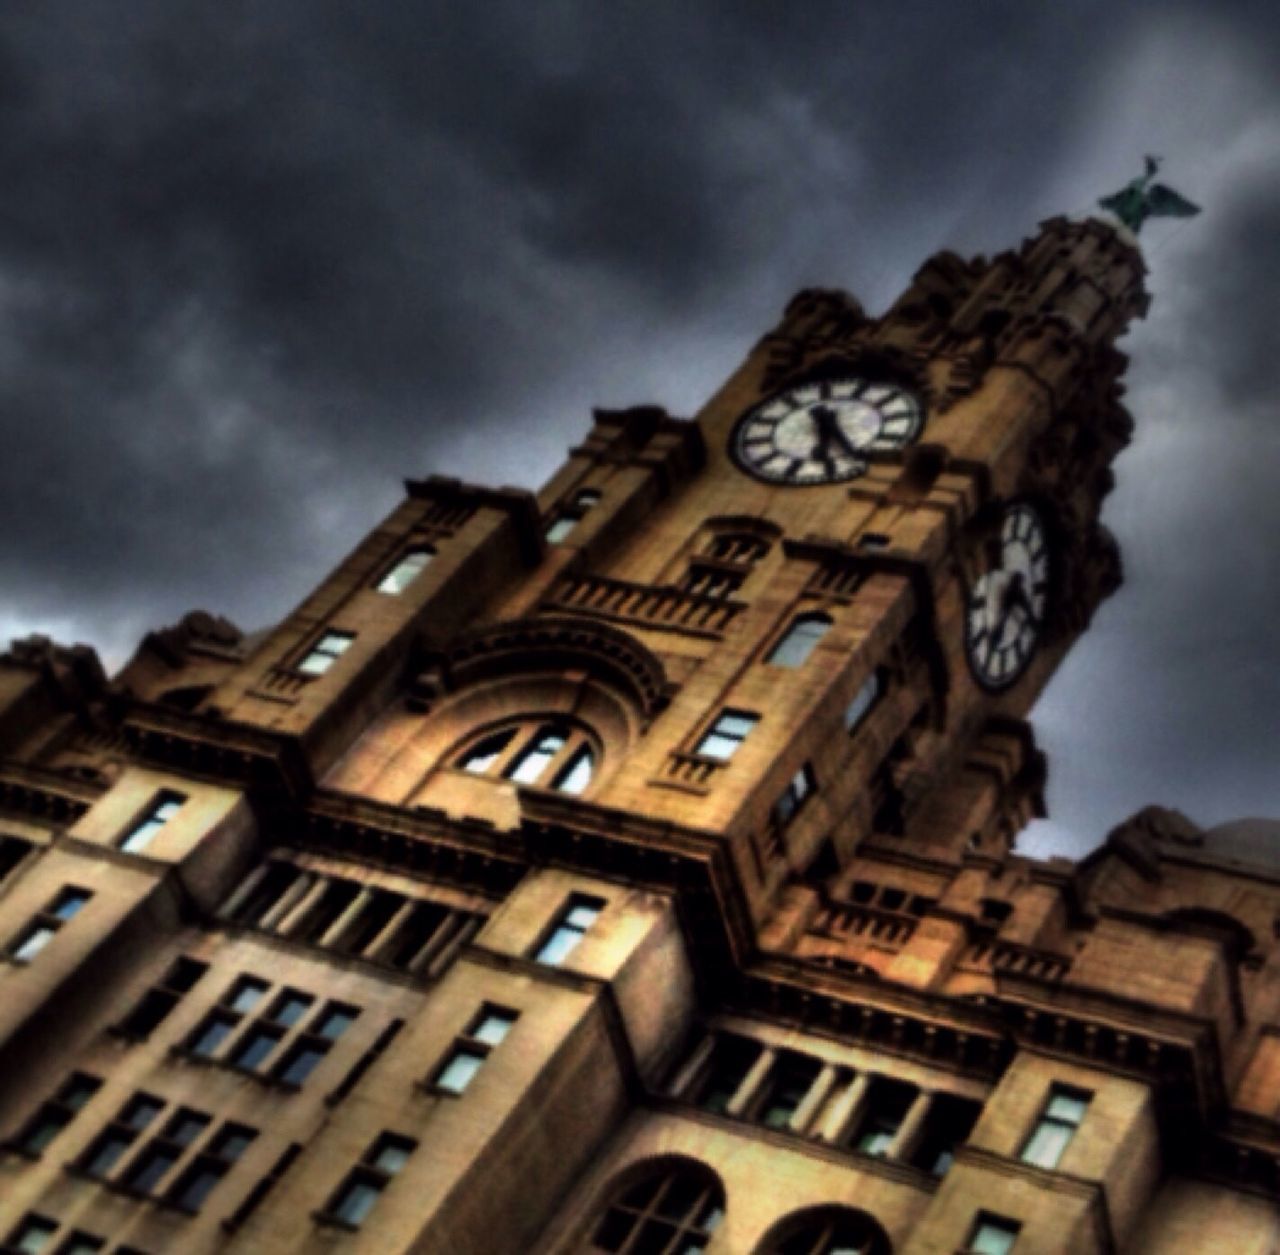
829, 429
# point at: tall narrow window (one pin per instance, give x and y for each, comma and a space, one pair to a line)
785, 1087
992, 1235
863, 701
159, 1000
44, 927
405, 571
793, 797
166, 805
325, 652
569, 929
365, 1183
794, 648
886, 1108
723, 738
731, 1059
950, 1121
527, 767
551, 755
57, 1113
472, 1048
210, 1166
1056, 1127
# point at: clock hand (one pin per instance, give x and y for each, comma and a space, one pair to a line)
825, 418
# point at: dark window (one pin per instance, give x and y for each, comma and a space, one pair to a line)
158, 1001
569, 929
798, 643
79, 1243
266, 892
110, 1145
12, 851
676, 1208
365, 1183
210, 1166
785, 1087
830, 1231
793, 797
950, 1121
243, 996
152, 1164
731, 1059
254, 1046
864, 701
886, 1108
310, 1046
57, 1113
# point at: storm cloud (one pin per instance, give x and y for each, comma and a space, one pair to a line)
259, 263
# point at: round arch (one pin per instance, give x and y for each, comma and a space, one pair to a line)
827, 1230
664, 1205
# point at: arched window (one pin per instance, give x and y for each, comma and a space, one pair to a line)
551, 755
672, 1210
828, 1231
805, 632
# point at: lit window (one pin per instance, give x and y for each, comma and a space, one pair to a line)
158, 1001
674, 1209
794, 648
569, 929
550, 755
405, 571
326, 651
366, 1182
472, 1048
163, 809
32, 1235
800, 786
44, 927
726, 734
1056, 1127
863, 700
57, 1113
570, 516
992, 1235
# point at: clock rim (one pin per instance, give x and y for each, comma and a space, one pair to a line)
740, 461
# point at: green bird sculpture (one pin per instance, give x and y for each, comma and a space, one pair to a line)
1141, 199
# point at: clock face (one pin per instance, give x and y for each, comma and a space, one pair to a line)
1005, 615
820, 433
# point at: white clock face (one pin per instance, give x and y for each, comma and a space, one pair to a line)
820, 433
1005, 615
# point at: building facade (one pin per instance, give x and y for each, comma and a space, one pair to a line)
630, 868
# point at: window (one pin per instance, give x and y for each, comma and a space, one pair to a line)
863, 701
784, 1089
726, 734
41, 930
829, 1231
158, 1001
110, 1145
676, 1208
365, 1183
149, 1167
218, 1025
405, 571
12, 851
80, 1243
166, 805
992, 1235
731, 1059
33, 1234
487, 1030
886, 1108
310, 1046
326, 651
1056, 1127
800, 786
949, 1123
569, 929
550, 755
568, 517
210, 1166
57, 1113
794, 648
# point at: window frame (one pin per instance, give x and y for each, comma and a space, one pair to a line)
56, 1113
328, 649
732, 740
795, 646
367, 1174
47, 923
569, 931
794, 797
151, 821
988, 1224
517, 742
405, 559
471, 1045
1052, 1134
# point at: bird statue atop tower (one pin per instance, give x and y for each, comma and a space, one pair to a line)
1141, 199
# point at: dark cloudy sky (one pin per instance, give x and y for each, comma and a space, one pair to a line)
260, 261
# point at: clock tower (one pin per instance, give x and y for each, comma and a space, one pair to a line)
630, 867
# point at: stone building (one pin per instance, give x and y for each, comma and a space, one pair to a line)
630, 868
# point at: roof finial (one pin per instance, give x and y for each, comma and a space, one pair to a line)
1141, 199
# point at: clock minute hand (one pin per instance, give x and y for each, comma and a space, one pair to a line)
830, 429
